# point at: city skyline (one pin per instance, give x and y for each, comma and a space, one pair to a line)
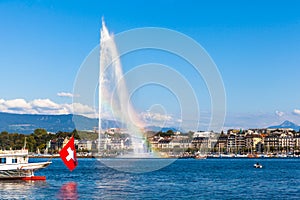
254, 44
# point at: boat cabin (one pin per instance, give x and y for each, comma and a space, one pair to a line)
14, 157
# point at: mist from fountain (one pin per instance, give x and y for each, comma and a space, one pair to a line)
114, 100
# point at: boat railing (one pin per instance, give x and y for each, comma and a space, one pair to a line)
14, 152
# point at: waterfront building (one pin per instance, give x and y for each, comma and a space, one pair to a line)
271, 142
85, 145
154, 142
113, 131
199, 142
182, 142
297, 143
286, 142
203, 134
164, 143
57, 144
222, 143
253, 142
117, 144
231, 145
240, 142
66, 140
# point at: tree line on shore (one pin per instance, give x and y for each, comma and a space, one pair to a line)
34, 141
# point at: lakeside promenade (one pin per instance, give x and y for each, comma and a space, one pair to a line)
208, 156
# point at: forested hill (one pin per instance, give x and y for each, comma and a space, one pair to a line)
27, 123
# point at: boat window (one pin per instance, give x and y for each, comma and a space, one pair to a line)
2, 160
14, 160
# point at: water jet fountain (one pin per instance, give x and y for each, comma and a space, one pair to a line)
114, 99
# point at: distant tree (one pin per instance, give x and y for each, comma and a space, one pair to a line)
31, 143
40, 132
42, 147
170, 132
76, 134
61, 134
4, 140
36, 140
165, 134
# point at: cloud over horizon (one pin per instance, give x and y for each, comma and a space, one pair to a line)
233, 120
65, 94
44, 106
155, 116
279, 113
296, 111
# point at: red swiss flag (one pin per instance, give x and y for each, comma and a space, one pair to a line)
68, 155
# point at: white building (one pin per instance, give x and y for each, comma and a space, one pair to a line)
85, 145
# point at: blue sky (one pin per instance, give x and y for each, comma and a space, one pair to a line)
255, 45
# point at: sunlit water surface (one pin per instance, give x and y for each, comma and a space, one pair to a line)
183, 179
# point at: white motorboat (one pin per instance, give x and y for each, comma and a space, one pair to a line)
14, 165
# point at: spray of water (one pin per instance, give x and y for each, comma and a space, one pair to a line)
114, 100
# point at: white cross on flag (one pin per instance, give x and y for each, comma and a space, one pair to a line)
68, 155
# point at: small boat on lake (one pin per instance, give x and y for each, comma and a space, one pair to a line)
257, 165
14, 165
200, 155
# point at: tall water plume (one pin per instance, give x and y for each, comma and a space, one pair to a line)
114, 101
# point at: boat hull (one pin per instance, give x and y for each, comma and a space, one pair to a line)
24, 171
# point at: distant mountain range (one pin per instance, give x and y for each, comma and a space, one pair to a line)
286, 124
27, 123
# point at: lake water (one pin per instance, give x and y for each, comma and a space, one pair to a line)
183, 179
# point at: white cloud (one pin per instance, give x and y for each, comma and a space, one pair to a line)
159, 119
16, 104
296, 111
65, 94
44, 106
149, 116
279, 113
82, 109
